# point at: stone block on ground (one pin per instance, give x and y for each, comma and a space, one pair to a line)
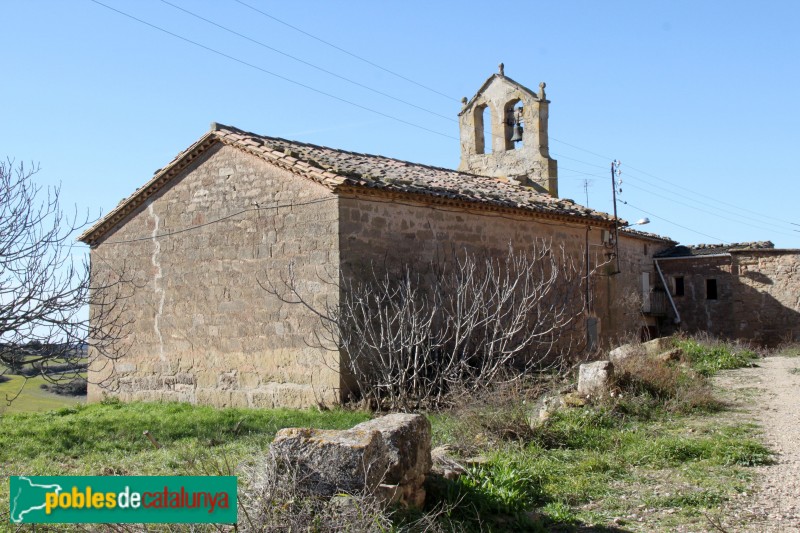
595, 378
545, 407
658, 346
408, 443
388, 457
675, 354
329, 462
408, 439
625, 352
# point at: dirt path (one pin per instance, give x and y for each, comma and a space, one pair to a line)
769, 395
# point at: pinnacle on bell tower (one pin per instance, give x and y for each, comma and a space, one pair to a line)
504, 134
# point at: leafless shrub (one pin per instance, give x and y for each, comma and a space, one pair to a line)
501, 414
410, 336
44, 291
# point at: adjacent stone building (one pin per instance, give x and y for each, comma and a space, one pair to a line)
746, 291
237, 211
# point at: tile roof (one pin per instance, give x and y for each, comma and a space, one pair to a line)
646, 235
335, 168
698, 250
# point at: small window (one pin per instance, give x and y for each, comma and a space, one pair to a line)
711, 289
646, 249
678, 286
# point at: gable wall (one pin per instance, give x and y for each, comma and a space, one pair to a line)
203, 329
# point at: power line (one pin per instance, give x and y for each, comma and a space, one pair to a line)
674, 223
265, 71
279, 76
660, 179
375, 111
712, 198
562, 156
351, 54
671, 191
277, 207
312, 65
650, 182
604, 157
581, 172
221, 219
702, 210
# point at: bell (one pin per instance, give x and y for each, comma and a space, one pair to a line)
517, 136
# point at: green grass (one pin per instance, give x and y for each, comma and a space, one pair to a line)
583, 456
639, 456
789, 350
107, 439
578, 458
32, 398
665, 452
709, 358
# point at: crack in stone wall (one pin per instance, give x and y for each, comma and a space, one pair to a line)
155, 259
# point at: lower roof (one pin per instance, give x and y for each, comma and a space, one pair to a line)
705, 250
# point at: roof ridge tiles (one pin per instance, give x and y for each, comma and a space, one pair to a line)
332, 168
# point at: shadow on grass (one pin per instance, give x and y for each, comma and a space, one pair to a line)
463, 506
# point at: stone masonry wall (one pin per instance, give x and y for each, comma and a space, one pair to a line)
620, 296
529, 161
377, 232
766, 305
204, 331
697, 312
758, 295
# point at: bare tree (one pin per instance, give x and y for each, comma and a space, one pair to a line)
45, 286
410, 338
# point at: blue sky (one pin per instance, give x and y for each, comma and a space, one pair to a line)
697, 99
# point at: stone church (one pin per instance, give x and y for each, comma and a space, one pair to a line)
236, 208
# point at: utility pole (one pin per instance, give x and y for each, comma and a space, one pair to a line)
615, 171
586, 190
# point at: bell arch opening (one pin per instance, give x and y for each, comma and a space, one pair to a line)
513, 125
482, 119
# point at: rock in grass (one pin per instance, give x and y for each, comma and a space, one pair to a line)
388, 457
329, 462
625, 352
595, 379
408, 442
676, 354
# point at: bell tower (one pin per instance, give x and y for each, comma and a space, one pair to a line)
504, 134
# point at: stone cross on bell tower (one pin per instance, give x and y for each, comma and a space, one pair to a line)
504, 134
